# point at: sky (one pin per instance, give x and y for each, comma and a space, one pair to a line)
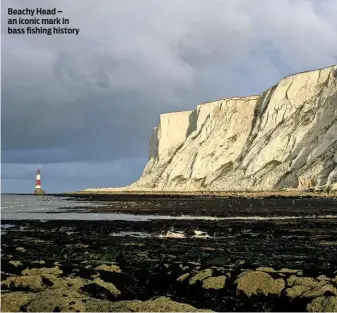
82, 108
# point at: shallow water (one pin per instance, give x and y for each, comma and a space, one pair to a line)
30, 207
17, 207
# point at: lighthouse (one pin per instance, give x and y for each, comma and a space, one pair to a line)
38, 189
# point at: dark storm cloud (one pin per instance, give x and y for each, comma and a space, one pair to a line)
96, 97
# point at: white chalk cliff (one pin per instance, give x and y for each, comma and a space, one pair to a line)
285, 137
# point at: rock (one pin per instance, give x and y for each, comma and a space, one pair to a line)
286, 137
108, 268
216, 283
266, 270
33, 283
58, 300
15, 263
334, 280
323, 304
200, 276
320, 291
322, 277
281, 271
99, 305
308, 287
259, 283
183, 277
73, 283
304, 281
160, 304
43, 271
296, 291
306, 183
290, 271
41, 282
42, 262
102, 289
13, 301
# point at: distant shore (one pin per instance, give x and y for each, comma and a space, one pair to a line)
201, 193
208, 193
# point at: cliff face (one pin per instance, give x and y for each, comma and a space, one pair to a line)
284, 138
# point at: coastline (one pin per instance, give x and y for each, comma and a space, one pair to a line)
247, 263
125, 266
206, 193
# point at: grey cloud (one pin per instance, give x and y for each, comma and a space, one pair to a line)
96, 97
62, 177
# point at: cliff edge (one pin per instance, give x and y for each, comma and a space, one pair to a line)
286, 137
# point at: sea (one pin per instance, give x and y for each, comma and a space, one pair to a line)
30, 207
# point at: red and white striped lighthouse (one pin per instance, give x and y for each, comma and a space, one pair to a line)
38, 182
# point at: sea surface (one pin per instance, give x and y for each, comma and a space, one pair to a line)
30, 207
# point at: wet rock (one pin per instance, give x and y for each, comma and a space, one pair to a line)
183, 277
41, 282
99, 305
322, 277
183, 267
13, 301
73, 283
160, 304
308, 287
323, 304
58, 300
33, 283
296, 291
100, 289
109, 268
216, 283
334, 280
42, 262
304, 281
320, 290
281, 271
94, 276
15, 263
266, 269
200, 276
290, 271
43, 271
259, 283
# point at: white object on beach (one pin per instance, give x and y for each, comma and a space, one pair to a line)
200, 234
173, 234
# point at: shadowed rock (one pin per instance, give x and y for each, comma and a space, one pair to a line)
323, 304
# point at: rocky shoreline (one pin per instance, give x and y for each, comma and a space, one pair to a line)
214, 206
185, 287
248, 265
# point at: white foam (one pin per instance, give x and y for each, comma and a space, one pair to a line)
132, 234
5, 226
